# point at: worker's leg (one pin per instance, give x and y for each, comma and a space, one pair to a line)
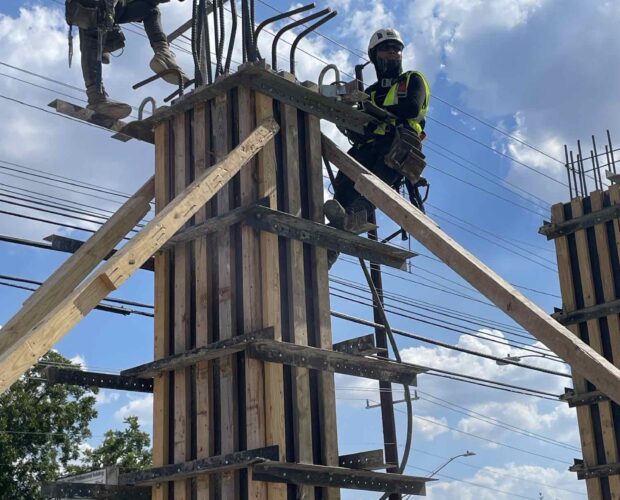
148, 12
98, 100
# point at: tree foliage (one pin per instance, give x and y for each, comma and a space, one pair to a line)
42, 427
129, 449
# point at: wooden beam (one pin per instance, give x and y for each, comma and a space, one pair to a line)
205, 431
579, 355
270, 292
31, 344
71, 273
162, 323
555, 229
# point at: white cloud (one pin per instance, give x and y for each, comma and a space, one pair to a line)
79, 360
105, 397
427, 428
141, 407
530, 481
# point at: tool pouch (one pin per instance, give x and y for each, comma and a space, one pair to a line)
405, 154
84, 15
114, 39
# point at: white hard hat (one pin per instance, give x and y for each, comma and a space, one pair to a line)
384, 35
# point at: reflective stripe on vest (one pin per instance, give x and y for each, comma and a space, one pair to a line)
391, 98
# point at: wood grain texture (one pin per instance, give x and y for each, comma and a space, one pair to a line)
579, 355
161, 384
56, 324
251, 297
181, 315
320, 290
204, 403
270, 292
297, 295
225, 300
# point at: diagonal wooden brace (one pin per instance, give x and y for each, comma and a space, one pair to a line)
578, 354
31, 343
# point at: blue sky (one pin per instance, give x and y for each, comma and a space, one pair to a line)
544, 71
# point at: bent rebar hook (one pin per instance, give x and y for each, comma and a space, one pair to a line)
276, 39
143, 105
273, 19
304, 33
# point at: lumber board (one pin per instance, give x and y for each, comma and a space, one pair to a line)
203, 377
79, 265
251, 296
606, 276
584, 413
579, 355
298, 327
322, 306
181, 314
32, 344
270, 292
227, 366
584, 259
162, 333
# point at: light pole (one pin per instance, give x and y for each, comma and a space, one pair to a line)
466, 454
517, 359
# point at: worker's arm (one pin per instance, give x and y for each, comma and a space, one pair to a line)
410, 105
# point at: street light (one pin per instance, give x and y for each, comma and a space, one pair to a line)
517, 359
466, 454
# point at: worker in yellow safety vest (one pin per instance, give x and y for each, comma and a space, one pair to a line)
391, 146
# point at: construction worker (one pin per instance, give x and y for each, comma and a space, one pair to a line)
391, 146
100, 34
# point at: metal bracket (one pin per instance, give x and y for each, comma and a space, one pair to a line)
314, 233
72, 376
554, 230
364, 460
96, 491
592, 312
364, 346
585, 472
586, 398
210, 465
338, 477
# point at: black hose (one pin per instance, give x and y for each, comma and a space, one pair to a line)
206, 35
390, 334
216, 31
244, 30
220, 49
196, 38
233, 34
304, 33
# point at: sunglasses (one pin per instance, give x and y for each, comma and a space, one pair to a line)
390, 46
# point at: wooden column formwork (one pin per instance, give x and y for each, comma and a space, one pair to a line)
235, 282
587, 245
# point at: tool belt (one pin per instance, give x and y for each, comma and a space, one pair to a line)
82, 13
405, 154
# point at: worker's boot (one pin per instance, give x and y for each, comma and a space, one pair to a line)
164, 59
99, 102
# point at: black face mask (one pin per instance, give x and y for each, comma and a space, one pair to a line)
388, 68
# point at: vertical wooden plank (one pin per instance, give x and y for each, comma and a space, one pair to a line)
584, 415
320, 278
270, 292
297, 294
204, 427
609, 294
161, 383
252, 304
182, 383
226, 327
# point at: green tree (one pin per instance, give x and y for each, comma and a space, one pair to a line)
129, 449
41, 429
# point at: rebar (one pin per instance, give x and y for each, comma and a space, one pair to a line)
304, 33
233, 34
273, 19
289, 27
570, 184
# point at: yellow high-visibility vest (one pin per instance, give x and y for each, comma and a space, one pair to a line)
392, 98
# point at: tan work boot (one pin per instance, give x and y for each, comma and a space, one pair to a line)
99, 102
164, 59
